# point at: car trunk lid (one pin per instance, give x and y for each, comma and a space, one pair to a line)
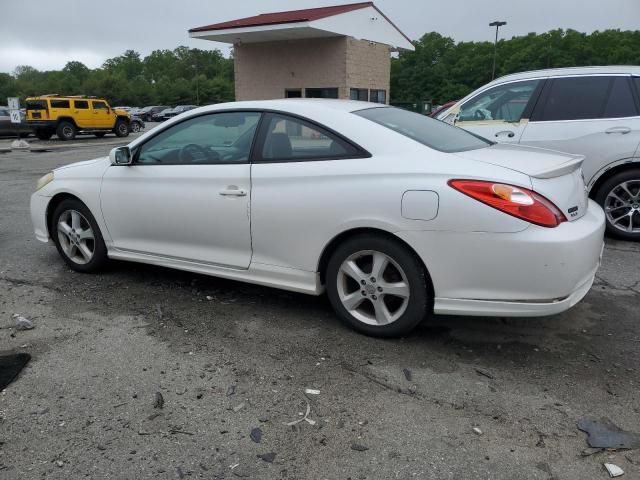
555, 175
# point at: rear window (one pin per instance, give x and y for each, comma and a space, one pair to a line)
428, 131
36, 104
59, 103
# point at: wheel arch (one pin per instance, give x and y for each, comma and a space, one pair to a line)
331, 246
67, 119
56, 200
607, 173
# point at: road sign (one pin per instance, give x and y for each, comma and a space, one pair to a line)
15, 116
14, 103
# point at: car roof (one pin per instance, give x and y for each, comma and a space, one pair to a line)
570, 71
297, 104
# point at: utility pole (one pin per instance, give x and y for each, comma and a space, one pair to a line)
496, 24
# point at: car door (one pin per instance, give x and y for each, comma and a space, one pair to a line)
499, 113
294, 172
592, 115
186, 195
101, 115
82, 114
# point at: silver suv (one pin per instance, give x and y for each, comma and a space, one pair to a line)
591, 111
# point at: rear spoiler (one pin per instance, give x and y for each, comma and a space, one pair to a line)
562, 169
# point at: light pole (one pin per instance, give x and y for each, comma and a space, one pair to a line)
496, 24
195, 66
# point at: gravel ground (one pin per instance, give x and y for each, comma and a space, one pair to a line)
229, 358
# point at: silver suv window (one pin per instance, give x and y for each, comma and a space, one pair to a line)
587, 97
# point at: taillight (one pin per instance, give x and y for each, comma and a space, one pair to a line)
516, 201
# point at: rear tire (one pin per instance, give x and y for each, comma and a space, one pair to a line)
619, 196
66, 130
121, 129
77, 236
391, 295
135, 127
44, 134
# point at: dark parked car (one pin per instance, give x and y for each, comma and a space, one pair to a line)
178, 110
13, 129
147, 113
161, 115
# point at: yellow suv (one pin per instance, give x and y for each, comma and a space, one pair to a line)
66, 116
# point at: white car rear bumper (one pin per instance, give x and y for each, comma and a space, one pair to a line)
538, 271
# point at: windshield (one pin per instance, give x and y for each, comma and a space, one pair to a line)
432, 133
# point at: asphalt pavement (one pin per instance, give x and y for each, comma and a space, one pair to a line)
228, 358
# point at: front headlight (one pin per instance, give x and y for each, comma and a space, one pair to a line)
43, 181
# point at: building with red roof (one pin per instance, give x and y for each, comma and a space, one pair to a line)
341, 51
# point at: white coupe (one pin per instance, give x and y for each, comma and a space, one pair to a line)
394, 214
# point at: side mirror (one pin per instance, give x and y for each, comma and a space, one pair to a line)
120, 156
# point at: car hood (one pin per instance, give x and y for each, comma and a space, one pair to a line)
85, 163
119, 111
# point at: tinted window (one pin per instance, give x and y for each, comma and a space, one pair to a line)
4, 113
361, 94
81, 104
99, 105
503, 102
37, 105
636, 81
378, 96
621, 102
290, 138
321, 92
215, 138
59, 103
573, 98
432, 133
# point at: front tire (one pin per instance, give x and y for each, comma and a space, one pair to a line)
377, 286
66, 131
121, 129
77, 236
619, 196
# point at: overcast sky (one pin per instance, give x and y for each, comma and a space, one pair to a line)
46, 34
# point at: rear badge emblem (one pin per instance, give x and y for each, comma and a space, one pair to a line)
573, 211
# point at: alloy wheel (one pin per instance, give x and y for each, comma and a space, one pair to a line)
76, 237
373, 288
622, 206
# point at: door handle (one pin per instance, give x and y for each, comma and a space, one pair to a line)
233, 191
508, 133
622, 130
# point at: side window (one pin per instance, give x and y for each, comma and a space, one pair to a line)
361, 94
290, 138
378, 96
224, 137
59, 103
620, 102
573, 98
99, 105
636, 81
81, 104
504, 103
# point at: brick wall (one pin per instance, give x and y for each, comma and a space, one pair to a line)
368, 65
265, 70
